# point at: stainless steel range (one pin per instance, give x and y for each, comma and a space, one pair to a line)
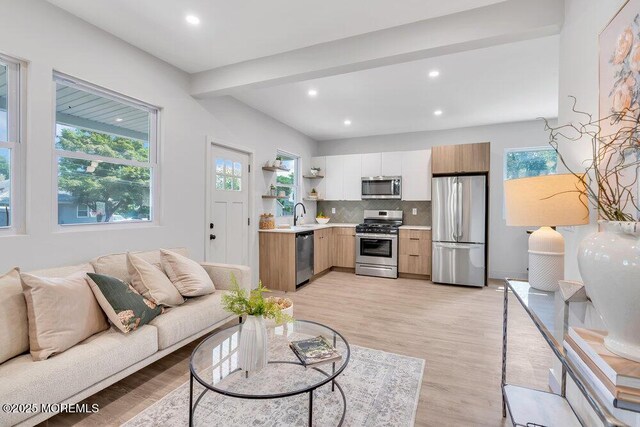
377, 244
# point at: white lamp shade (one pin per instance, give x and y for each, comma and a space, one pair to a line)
549, 200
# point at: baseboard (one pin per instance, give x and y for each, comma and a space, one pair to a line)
414, 276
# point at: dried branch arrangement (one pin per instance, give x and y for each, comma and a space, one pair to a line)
611, 174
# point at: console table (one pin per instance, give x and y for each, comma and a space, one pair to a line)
529, 407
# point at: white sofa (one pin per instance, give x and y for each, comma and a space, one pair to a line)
109, 356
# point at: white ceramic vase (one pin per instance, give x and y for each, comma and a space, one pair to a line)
609, 263
252, 350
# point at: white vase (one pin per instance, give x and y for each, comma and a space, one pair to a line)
609, 262
252, 350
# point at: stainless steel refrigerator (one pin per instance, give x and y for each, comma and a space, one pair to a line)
459, 218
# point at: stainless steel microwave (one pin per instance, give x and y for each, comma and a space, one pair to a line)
382, 187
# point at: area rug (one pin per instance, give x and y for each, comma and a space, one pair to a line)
382, 389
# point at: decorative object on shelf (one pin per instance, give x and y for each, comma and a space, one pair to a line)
252, 349
314, 171
272, 190
313, 195
267, 222
277, 162
545, 201
321, 218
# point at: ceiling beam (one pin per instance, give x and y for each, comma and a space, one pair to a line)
500, 23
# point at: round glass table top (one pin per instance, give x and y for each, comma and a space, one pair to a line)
214, 363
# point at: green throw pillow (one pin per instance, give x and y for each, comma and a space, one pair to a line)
124, 307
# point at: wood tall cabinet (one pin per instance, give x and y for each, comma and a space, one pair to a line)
414, 252
344, 247
464, 158
322, 250
278, 261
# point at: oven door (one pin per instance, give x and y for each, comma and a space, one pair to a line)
377, 249
381, 187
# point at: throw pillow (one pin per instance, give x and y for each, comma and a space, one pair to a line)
61, 311
187, 275
14, 325
125, 307
151, 282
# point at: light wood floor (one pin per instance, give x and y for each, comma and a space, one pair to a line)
457, 330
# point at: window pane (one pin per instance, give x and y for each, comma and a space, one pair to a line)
114, 193
228, 166
285, 206
228, 183
94, 124
237, 184
219, 166
286, 178
4, 133
5, 187
525, 163
219, 182
237, 169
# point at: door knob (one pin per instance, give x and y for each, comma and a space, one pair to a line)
212, 237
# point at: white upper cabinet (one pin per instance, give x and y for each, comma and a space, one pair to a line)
352, 187
372, 164
416, 175
391, 164
334, 177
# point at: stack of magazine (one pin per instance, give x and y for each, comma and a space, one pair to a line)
315, 351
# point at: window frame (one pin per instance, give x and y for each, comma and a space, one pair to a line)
296, 179
153, 164
16, 85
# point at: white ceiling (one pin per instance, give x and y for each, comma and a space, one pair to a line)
506, 83
234, 31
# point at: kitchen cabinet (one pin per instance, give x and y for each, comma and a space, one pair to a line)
464, 158
372, 164
416, 175
414, 252
278, 261
334, 178
344, 247
391, 163
352, 177
322, 250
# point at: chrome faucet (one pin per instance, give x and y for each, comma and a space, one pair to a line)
295, 215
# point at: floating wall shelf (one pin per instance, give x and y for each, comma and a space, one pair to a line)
275, 169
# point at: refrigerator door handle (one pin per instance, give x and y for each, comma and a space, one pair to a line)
454, 189
459, 211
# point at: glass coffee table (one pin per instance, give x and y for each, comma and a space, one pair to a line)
214, 365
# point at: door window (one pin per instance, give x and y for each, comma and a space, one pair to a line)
228, 175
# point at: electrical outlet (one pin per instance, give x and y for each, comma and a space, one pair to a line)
333, 210
414, 211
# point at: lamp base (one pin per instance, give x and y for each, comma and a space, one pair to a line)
546, 259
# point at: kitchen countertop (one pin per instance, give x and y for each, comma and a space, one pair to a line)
415, 227
312, 227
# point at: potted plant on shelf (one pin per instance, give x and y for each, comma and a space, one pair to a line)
315, 171
609, 260
252, 349
272, 190
277, 162
314, 194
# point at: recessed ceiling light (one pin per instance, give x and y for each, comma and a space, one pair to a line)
312, 93
347, 122
118, 119
437, 113
434, 73
192, 19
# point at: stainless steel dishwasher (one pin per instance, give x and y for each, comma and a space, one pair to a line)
304, 257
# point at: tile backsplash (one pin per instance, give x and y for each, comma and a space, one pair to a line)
353, 211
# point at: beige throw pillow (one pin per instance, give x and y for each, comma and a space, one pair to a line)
151, 282
187, 276
61, 311
14, 325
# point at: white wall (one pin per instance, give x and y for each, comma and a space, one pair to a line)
507, 245
49, 39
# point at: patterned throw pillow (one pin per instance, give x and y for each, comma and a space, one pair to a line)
125, 307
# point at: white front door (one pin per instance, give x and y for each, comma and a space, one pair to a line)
229, 227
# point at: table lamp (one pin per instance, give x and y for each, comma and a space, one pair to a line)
546, 201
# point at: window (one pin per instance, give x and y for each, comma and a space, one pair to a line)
10, 143
525, 162
287, 183
106, 147
228, 175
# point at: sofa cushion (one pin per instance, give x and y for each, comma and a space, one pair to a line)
125, 307
187, 275
61, 312
151, 282
66, 374
14, 325
115, 265
63, 271
195, 315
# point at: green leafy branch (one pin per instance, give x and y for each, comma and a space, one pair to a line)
253, 303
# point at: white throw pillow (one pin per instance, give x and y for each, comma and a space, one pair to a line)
187, 276
14, 325
151, 282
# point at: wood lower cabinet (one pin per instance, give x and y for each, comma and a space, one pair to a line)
464, 158
322, 250
344, 247
278, 261
414, 252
